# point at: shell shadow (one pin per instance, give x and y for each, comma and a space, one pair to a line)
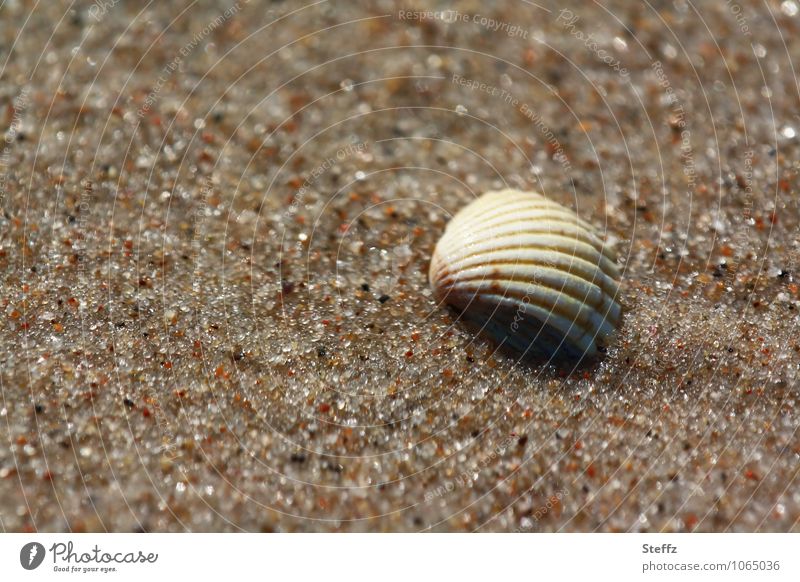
532, 344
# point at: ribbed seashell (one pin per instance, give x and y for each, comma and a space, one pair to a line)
529, 273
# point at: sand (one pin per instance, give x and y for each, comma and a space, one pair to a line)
216, 226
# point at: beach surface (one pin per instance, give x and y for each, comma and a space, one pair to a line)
216, 221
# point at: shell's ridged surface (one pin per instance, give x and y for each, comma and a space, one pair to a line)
530, 273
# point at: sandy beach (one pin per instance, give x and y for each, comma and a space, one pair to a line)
216, 222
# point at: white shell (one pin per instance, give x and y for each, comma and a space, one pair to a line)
530, 274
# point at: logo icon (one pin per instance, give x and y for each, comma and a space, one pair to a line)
31, 555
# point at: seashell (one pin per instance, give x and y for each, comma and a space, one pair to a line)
530, 274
